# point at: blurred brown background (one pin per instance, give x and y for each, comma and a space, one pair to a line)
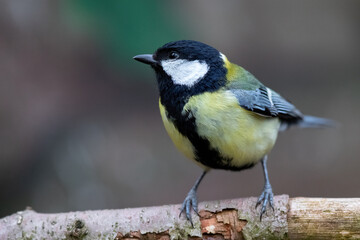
79, 122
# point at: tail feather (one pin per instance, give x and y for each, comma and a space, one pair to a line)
309, 122
315, 122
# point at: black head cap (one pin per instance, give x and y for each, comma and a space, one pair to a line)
189, 50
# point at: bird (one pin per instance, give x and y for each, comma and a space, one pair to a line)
218, 114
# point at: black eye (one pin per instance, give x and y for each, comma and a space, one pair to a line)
173, 55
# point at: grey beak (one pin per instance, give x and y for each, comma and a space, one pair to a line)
145, 58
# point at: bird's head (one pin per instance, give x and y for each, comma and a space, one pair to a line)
189, 64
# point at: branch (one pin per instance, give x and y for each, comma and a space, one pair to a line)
295, 218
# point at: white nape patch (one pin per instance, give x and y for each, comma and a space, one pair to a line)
269, 92
184, 72
224, 58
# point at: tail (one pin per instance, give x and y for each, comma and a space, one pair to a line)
315, 122
308, 122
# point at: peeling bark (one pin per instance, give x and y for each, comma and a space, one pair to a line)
297, 218
225, 224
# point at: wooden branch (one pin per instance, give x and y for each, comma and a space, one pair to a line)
295, 218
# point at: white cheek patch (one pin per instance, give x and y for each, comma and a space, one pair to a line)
184, 72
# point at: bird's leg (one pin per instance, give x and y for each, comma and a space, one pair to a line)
267, 195
191, 200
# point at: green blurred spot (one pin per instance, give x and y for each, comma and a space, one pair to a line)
125, 28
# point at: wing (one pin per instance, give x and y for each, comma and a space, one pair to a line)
254, 96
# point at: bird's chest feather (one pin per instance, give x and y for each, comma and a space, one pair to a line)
230, 136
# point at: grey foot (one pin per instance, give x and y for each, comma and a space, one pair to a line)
190, 202
266, 197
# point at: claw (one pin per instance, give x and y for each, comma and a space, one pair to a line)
266, 197
196, 211
190, 202
271, 201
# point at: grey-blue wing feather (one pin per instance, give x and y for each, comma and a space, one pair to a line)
256, 101
268, 103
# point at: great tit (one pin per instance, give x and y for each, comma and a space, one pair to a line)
218, 114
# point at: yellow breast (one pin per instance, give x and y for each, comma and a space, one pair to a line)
236, 133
